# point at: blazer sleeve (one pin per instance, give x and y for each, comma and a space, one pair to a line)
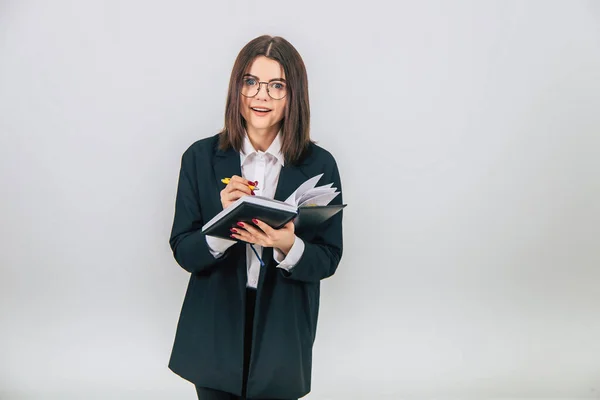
187, 241
323, 251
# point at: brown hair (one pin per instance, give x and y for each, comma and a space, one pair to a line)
295, 130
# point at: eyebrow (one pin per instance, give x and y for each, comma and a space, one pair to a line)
258, 79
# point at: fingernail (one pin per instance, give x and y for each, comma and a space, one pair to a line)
232, 236
253, 194
255, 183
255, 221
233, 230
250, 183
240, 224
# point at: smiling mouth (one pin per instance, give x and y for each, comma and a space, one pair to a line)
260, 109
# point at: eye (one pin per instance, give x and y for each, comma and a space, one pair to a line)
249, 81
277, 85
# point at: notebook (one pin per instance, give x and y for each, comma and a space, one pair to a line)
308, 207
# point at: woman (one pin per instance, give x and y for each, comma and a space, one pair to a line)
246, 331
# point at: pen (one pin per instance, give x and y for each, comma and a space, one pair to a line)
227, 180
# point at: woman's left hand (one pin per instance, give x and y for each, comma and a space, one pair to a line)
263, 235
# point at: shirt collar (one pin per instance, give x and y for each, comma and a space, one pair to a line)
274, 149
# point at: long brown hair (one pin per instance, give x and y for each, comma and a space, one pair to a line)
295, 130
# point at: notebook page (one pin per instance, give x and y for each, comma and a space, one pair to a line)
321, 200
309, 184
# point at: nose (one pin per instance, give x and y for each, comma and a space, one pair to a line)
262, 94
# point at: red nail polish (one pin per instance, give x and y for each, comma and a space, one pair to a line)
233, 236
255, 183
240, 224
250, 183
253, 193
233, 230
255, 221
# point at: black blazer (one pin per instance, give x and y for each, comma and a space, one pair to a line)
208, 347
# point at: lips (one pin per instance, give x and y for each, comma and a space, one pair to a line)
261, 109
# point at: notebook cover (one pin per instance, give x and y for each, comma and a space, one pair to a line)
311, 217
245, 213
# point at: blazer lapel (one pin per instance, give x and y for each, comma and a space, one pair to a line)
226, 164
290, 178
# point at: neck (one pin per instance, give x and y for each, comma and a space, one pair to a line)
261, 139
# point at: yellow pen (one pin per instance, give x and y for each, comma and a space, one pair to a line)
227, 180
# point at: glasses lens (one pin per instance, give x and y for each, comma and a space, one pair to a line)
277, 90
250, 87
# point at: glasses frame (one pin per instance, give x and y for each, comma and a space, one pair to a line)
259, 86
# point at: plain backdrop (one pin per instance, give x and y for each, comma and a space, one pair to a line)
467, 134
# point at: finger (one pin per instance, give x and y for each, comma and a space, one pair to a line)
255, 232
232, 186
236, 195
241, 229
240, 234
239, 179
259, 236
266, 228
290, 226
243, 180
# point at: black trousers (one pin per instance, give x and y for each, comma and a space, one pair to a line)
211, 394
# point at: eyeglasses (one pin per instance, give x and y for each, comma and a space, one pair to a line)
276, 89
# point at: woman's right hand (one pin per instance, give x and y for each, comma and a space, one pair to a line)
236, 188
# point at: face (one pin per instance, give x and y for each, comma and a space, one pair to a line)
268, 121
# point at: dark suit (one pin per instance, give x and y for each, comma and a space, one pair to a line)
208, 348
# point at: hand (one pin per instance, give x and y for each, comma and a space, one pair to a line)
263, 235
236, 188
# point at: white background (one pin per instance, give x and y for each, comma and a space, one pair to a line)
468, 139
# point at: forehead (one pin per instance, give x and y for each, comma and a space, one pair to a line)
265, 69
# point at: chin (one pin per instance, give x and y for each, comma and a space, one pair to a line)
261, 125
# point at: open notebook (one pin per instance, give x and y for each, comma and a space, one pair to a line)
308, 206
